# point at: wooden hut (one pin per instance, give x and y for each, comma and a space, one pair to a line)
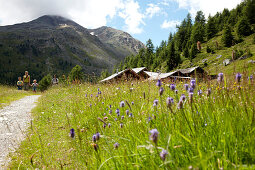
197, 72
141, 72
127, 74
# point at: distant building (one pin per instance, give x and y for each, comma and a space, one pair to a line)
197, 72
141, 72
127, 74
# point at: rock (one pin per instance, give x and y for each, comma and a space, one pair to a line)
251, 61
219, 56
243, 57
204, 60
226, 62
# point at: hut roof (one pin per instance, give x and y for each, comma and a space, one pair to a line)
188, 70
115, 75
138, 70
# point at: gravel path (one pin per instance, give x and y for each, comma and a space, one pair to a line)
14, 119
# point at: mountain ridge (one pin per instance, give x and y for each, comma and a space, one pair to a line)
54, 44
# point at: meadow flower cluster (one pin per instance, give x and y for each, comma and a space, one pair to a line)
156, 125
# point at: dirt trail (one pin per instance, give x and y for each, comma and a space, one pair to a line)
14, 119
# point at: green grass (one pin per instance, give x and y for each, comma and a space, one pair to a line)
9, 94
213, 132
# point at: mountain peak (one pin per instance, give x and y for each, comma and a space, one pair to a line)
54, 20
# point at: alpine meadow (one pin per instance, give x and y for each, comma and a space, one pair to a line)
107, 101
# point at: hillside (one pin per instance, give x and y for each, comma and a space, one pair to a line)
215, 62
122, 42
53, 44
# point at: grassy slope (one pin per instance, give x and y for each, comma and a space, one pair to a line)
216, 65
213, 132
9, 94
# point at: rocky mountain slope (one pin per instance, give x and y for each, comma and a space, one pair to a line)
53, 44
122, 42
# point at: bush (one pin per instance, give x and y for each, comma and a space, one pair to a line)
45, 83
76, 73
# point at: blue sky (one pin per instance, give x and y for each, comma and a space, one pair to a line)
143, 19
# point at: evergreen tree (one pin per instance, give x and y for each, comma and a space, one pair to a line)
249, 11
227, 37
173, 58
210, 28
243, 28
198, 30
193, 51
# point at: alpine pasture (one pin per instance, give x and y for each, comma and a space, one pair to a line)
143, 125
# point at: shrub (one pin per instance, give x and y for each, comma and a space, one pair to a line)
45, 83
76, 73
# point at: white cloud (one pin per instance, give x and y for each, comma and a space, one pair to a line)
88, 13
170, 24
132, 16
207, 6
152, 10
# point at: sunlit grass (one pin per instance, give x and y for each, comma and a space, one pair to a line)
215, 131
9, 94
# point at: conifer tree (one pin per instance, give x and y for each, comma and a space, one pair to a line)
227, 37
210, 28
243, 28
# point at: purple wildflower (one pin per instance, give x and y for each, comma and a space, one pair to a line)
183, 97
238, 77
190, 97
193, 83
154, 135
115, 119
97, 136
149, 119
155, 102
122, 104
172, 87
132, 103
72, 133
161, 90
159, 83
186, 86
127, 112
110, 106
109, 125
180, 104
251, 77
105, 118
199, 92
121, 125
104, 125
116, 145
169, 101
110, 111
163, 154
117, 111
220, 77
122, 117
86, 95
191, 90
176, 91
94, 138
130, 115
98, 89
